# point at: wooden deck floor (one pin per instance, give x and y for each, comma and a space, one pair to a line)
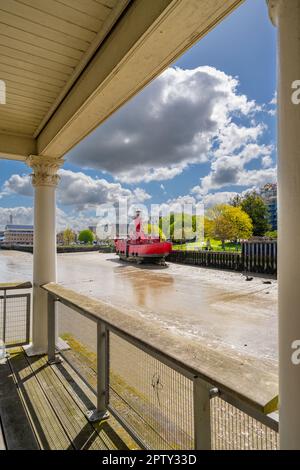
43, 407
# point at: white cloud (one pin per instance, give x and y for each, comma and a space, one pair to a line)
78, 189
19, 184
233, 174
230, 169
176, 121
24, 215
222, 197
186, 203
273, 102
274, 99
83, 191
21, 215
233, 137
266, 161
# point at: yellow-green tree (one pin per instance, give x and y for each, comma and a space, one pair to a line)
225, 222
68, 236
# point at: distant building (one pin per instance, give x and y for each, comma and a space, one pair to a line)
60, 238
18, 235
269, 194
1, 237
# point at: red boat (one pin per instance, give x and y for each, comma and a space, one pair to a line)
139, 247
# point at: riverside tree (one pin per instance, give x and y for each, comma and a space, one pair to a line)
68, 236
86, 236
226, 222
253, 204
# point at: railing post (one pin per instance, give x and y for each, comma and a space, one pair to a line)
52, 358
3, 353
101, 412
202, 424
4, 317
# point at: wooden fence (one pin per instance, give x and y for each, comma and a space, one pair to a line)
256, 257
260, 256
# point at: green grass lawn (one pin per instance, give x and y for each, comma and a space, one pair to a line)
216, 245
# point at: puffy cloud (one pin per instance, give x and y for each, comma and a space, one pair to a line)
174, 122
233, 137
273, 103
19, 184
231, 169
222, 197
21, 215
81, 190
78, 189
206, 201
233, 175
24, 215
274, 99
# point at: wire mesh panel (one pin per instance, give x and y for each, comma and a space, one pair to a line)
232, 429
79, 335
14, 319
153, 400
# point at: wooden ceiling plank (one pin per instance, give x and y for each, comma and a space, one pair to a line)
20, 130
63, 13
16, 126
31, 75
28, 91
26, 103
26, 57
42, 31
33, 39
23, 113
89, 7
107, 3
38, 51
17, 120
24, 95
15, 117
41, 18
28, 81
34, 69
23, 110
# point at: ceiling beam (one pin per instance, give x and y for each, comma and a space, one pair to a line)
147, 39
16, 147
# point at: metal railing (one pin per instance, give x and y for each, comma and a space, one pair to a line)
162, 401
15, 313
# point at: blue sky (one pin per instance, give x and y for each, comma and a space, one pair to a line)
202, 131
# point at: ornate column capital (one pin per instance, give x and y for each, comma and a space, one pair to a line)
44, 170
274, 6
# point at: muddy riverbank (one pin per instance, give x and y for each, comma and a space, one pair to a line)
218, 309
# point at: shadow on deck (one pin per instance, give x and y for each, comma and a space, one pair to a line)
43, 407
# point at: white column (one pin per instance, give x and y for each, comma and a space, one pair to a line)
44, 180
286, 16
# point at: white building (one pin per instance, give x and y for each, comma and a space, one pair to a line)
18, 235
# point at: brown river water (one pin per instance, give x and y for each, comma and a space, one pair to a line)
218, 309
